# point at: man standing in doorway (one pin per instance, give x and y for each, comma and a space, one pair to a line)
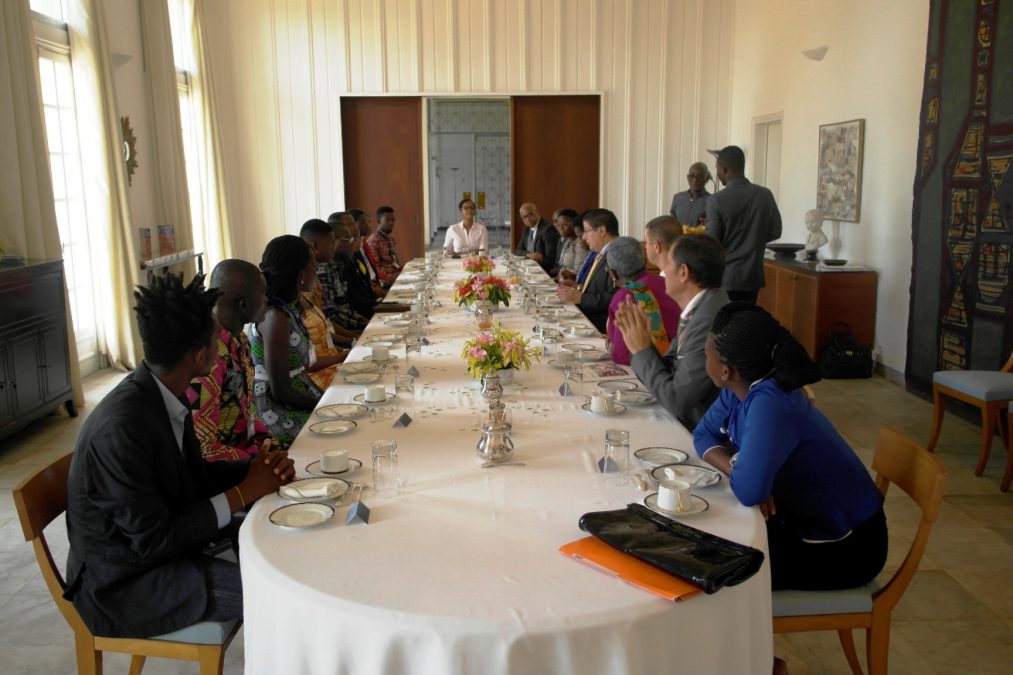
384, 246
743, 217
540, 240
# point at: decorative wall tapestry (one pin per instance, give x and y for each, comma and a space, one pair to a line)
839, 186
962, 225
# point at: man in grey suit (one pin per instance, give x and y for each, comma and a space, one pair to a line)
743, 218
540, 240
679, 379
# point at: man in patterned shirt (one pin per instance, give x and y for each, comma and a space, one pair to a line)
224, 416
332, 289
384, 246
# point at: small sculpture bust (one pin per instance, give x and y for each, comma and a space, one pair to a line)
814, 223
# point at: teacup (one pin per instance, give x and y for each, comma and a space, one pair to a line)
375, 393
601, 402
674, 495
334, 461
380, 353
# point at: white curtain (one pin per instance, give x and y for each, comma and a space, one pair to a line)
114, 240
27, 215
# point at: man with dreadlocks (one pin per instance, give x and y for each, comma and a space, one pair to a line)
141, 502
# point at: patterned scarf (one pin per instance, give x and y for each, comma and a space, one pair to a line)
645, 298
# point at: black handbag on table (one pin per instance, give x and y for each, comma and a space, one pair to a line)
844, 358
699, 557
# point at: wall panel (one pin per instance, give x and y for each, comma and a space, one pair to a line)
663, 68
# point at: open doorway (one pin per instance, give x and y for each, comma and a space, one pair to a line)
469, 158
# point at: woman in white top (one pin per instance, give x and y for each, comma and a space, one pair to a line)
467, 235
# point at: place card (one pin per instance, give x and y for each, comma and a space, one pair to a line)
424, 342
565, 389
358, 514
414, 372
402, 421
607, 465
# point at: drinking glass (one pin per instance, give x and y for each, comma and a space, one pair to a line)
385, 475
573, 378
617, 452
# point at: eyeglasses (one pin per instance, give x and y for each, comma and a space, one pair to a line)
345, 238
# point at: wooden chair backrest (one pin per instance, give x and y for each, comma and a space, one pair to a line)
909, 466
1008, 366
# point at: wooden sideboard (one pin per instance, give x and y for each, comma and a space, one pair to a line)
807, 300
34, 358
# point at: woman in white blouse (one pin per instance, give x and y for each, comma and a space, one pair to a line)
467, 235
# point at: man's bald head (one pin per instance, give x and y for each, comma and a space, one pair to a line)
230, 276
529, 214
242, 298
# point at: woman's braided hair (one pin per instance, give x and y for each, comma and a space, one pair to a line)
284, 258
750, 340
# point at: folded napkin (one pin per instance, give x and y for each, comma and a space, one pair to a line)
324, 488
704, 559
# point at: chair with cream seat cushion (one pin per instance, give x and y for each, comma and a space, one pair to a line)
40, 499
991, 391
900, 461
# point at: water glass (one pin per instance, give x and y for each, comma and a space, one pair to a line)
617, 453
404, 385
385, 475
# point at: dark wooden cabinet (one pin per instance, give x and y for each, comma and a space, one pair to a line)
807, 300
34, 355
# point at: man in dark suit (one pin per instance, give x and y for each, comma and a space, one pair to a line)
679, 379
593, 296
141, 501
743, 218
540, 240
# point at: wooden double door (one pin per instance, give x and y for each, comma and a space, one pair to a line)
554, 151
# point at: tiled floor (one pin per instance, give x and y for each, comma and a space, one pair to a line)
957, 616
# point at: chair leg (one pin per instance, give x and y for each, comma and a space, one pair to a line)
987, 430
877, 645
1008, 476
939, 403
89, 659
211, 659
848, 645
136, 664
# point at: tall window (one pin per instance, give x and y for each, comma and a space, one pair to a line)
66, 167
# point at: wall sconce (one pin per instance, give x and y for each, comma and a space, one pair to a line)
816, 54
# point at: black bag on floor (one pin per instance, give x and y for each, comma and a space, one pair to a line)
844, 358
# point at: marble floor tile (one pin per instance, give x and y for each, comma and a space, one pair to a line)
979, 647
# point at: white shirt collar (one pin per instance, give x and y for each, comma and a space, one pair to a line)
687, 311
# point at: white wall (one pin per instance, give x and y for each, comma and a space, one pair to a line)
873, 70
664, 67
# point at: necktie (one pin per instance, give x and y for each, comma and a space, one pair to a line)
594, 266
534, 234
585, 269
681, 334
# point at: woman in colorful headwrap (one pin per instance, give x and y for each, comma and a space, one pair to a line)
626, 262
280, 344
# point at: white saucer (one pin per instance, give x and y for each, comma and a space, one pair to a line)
635, 398
359, 367
579, 329
301, 516
696, 476
360, 398
291, 491
362, 378
612, 386
656, 456
370, 359
617, 409
578, 347
373, 344
314, 468
341, 411
699, 505
333, 427
398, 323
589, 355
393, 338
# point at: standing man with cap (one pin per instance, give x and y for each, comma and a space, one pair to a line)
743, 217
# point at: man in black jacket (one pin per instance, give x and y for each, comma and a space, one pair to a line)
593, 296
141, 501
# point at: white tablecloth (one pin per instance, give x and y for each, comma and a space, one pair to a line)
461, 573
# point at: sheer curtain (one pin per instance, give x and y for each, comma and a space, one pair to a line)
114, 243
27, 217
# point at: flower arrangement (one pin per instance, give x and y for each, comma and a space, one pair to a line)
474, 288
481, 263
487, 353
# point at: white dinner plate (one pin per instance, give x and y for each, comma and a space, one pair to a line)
397, 323
698, 505
370, 359
362, 378
579, 329
317, 489
301, 516
333, 427
569, 314
635, 398
392, 338
613, 386
578, 347
341, 411
361, 398
359, 367
696, 476
659, 456
314, 468
617, 409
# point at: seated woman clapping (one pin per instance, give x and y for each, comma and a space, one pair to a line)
280, 344
825, 523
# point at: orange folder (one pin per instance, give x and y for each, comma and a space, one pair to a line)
597, 554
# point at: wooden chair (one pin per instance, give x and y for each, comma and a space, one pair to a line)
809, 393
988, 390
1008, 476
900, 461
42, 498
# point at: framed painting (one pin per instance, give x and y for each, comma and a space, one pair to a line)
839, 186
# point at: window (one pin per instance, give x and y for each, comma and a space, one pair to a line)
767, 157
59, 110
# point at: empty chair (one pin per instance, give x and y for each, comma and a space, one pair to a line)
989, 390
42, 498
900, 461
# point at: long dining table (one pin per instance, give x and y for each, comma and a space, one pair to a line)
460, 572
